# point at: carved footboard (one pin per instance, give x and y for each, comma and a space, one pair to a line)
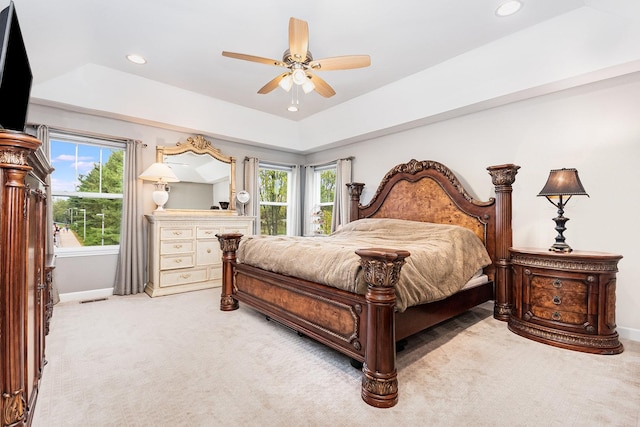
362, 327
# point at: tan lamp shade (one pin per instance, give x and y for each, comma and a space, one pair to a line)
563, 182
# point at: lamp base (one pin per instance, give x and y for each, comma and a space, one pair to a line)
160, 196
560, 247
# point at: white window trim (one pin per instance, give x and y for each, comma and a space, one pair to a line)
87, 251
289, 169
96, 141
312, 186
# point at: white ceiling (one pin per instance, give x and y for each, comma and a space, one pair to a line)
77, 52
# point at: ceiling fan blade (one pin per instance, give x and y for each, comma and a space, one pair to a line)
298, 39
340, 63
321, 86
252, 58
272, 84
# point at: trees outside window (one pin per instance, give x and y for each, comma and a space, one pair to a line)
322, 187
87, 187
325, 189
275, 197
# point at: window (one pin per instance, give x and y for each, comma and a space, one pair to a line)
322, 189
276, 199
86, 188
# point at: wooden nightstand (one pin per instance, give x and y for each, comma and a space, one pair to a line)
566, 299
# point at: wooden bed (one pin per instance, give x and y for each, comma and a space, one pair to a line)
367, 327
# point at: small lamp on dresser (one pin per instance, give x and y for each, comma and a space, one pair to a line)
161, 174
561, 185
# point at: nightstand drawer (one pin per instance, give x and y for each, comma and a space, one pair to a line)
566, 317
556, 294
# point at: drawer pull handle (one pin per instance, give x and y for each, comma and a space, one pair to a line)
557, 300
185, 275
556, 316
557, 283
209, 250
177, 246
208, 232
178, 260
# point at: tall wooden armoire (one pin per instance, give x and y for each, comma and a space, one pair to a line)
25, 274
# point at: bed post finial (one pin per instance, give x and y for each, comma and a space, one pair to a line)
355, 190
228, 245
381, 268
503, 176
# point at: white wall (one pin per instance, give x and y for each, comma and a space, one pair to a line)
594, 128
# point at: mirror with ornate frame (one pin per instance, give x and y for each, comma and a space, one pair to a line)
207, 177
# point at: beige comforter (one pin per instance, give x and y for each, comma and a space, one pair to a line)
443, 257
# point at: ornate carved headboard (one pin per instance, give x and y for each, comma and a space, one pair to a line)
428, 191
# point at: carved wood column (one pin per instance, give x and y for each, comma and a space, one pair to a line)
379, 374
355, 190
229, 245
503, 176
14, 149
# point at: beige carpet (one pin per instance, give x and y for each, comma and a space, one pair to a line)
179, 361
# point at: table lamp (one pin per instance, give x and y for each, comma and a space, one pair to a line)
562, 183
161, 174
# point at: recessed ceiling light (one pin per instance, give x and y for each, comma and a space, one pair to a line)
509, 8
136, 59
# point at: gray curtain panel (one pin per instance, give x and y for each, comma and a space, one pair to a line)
341, 194
130, 271
251, 186
42, 133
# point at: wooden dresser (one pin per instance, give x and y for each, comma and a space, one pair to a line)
184, 253
25, 275
566, 299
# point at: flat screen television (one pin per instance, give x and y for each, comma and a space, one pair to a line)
15, 72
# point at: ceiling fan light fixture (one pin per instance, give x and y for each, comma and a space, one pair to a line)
292, 107
308, 86
286, 83
299, 76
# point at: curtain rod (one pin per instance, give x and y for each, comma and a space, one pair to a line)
85, 133
329, 162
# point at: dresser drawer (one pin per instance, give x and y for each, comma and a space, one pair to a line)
171, 262
208, 252
176, 232
207, 232
168, 247
237, 228
183, 277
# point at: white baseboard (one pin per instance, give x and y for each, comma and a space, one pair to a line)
629, 333
86, 295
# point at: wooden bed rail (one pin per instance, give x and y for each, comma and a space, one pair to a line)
381, 269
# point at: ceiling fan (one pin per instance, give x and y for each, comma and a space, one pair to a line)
301, 65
